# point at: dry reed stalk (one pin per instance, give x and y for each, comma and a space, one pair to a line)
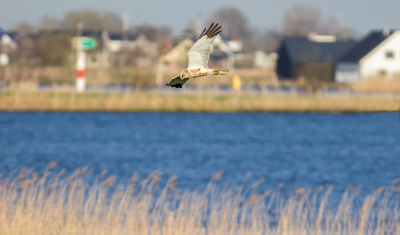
378, 84
42, 203
195, 102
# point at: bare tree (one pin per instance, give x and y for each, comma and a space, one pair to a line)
190, 28
93, 19
152, 33
50, 22
110, 21
235, 25
234, 22
271, 39
302, 19
166, 30
24, 28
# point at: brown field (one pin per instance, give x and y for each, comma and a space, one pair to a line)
40, 204
195, 102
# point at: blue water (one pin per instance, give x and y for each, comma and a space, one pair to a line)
304, 150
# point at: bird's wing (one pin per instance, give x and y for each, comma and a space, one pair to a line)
200, 51
177, 82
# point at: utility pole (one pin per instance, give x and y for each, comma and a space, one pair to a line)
80, 63
125, 28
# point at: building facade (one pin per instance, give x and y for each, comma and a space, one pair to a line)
376, 54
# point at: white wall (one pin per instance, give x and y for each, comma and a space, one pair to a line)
375, 62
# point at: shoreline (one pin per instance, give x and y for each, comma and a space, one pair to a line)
212, 102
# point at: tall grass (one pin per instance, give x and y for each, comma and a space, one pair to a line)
50, 203
378, 84
196, 102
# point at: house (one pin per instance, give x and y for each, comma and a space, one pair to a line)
7, 40
311, 57
116, 43
7, 46
264, 60
378, 53
224, 50
177, 56
119, 48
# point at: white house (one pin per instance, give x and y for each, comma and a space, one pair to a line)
7, 44
116, 43
377, 53
227, 46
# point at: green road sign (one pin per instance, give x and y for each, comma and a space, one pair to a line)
84, 43
88, 43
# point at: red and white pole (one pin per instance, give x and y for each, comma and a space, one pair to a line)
80, 71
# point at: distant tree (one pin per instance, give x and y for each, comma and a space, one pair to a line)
233, 21
190, 28
50, 22
111, 21
92, 19
24, 28
152, 33
235, 25
255, 42
54, 47
271, 39
166, 30
302, 19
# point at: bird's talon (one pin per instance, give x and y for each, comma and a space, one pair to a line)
215, 72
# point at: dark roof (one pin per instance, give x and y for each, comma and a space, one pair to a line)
84, 33
302, 49
366, 45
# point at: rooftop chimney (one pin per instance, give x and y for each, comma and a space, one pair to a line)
386, 31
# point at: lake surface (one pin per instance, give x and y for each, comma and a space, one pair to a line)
304, 150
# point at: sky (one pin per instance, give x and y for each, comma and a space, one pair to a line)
360, 15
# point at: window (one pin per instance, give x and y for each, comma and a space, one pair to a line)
389, 54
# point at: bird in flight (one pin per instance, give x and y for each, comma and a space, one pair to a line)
198, 58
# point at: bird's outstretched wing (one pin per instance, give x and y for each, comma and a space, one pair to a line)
177, 82
200, 51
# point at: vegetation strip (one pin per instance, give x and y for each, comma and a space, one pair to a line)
48, 203
195, 102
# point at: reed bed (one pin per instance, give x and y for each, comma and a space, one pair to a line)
49, 203
378, 83
197, 102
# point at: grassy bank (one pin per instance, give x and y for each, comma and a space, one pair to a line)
32, 203
195, 102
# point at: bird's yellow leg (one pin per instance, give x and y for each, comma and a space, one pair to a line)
215, 72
